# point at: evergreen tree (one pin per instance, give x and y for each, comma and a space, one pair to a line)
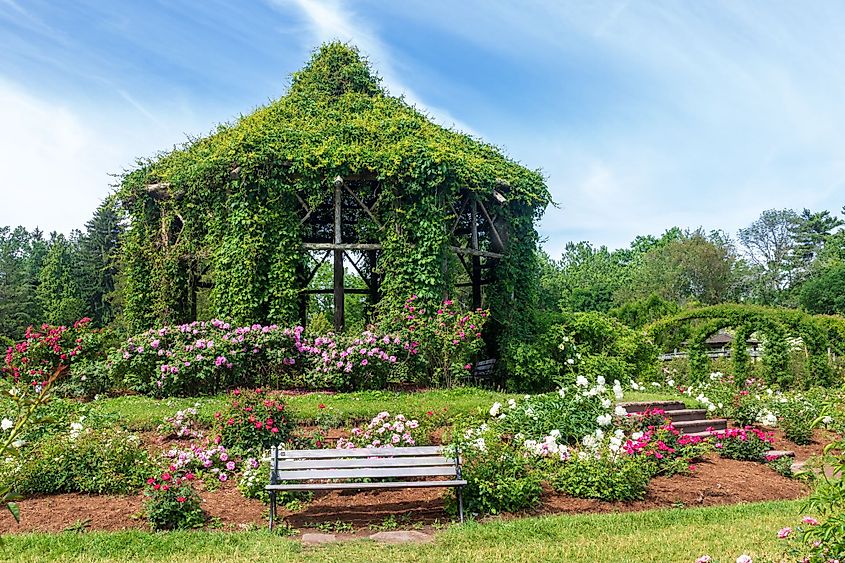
20, 260
60, 291
98, 262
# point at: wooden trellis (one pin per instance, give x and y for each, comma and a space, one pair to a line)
477, 237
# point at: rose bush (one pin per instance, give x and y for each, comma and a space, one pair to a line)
206, 357
384, 431
252, 422
172, 503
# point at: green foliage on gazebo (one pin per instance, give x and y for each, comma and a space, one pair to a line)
335, 169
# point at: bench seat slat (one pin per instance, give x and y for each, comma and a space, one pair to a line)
360, 452
334, 463
388, 485
365, 473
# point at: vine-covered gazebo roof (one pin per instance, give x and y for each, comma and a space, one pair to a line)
337, 120
334, 168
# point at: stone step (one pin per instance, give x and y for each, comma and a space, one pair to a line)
700, 427
642, 406
684, 415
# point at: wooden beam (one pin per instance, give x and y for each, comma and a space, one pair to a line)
473, 252
458, 215
339, 300
316, 268
307, 209
476, 260
340, 246
492, 226
364, 207
357, 269
470, 284
329, 291
464, 262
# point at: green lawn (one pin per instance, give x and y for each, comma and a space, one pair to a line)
339, 409
660, 395
663, 536
144, 413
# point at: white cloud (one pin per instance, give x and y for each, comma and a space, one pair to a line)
57, 160
54, 164
332, 20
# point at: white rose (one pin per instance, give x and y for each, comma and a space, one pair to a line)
581, 381
620, 411
604, 419
494, 410
7, 423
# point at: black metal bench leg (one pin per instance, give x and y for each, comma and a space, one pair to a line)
461, 504
272, 509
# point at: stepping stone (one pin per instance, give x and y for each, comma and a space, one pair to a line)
401, 536
318, 539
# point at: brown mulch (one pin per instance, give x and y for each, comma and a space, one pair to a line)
821, 438
715, 481
225, 506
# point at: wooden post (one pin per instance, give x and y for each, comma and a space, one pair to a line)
476, 259
338, 256
375, 284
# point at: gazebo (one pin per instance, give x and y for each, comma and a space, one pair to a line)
236, 224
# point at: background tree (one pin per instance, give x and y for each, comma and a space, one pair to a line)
587, 277
21, 255
825, 294
690, 267
812, 233
98, 253
769, 243
60, 292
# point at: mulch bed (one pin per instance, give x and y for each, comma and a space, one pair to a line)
715, 481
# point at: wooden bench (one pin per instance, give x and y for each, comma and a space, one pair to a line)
482, 373
310, 470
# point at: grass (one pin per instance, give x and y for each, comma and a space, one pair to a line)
664, 536
145, 413
339, 409
660, 395
138, 412
350, 408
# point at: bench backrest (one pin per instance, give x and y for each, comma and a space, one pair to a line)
360, 463
484, 368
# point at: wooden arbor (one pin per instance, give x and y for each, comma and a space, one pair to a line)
348, 227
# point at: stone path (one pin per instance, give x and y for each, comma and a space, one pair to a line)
394, 537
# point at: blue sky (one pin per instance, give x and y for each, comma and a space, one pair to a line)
642, 115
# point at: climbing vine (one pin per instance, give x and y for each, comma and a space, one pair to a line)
774, 325
221, 216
